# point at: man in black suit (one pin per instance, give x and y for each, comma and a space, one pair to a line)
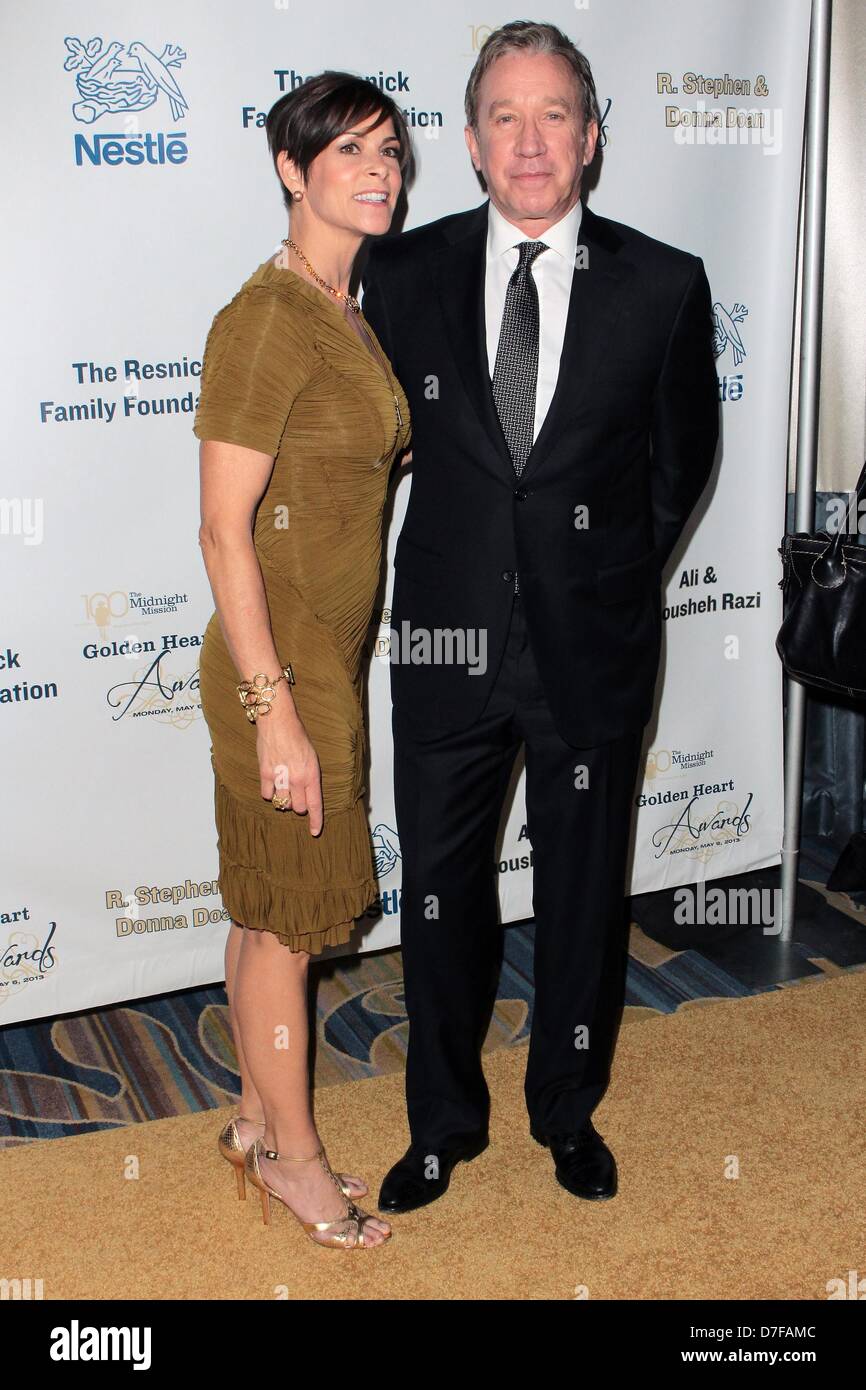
564, 400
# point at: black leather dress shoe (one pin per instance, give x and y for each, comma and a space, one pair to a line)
407, 1185
585, 1165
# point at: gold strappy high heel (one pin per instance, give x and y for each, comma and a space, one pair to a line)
231, 1148
338, 1239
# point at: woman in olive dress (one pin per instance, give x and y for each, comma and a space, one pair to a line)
300, 419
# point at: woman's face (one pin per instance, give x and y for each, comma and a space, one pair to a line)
355, 182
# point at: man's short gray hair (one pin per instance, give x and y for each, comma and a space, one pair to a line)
522, 36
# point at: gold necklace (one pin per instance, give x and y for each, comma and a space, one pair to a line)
353, 304
338, 294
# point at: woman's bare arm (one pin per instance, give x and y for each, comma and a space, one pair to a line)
233, 481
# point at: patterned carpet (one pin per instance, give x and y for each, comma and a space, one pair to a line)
173, 1055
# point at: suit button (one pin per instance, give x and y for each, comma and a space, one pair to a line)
520, 495
508, 576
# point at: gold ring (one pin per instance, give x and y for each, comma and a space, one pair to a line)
281, 802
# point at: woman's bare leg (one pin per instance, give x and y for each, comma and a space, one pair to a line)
270, 993
250, 1105
251, 1109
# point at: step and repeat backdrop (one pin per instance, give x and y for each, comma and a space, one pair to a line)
139, 196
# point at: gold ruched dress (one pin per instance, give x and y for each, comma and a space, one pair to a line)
285, 374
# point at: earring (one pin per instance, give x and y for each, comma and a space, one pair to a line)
297, 194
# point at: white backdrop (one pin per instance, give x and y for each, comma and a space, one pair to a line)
134, 212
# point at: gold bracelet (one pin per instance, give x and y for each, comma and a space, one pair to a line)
256, 695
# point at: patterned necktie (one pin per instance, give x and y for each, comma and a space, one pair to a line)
515, 374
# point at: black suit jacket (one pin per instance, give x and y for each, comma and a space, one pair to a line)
630, 436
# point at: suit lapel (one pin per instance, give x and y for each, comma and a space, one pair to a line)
593, 310
459, 273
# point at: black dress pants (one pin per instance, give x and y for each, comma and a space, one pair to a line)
449, 792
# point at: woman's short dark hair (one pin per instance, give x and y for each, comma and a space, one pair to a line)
305, 121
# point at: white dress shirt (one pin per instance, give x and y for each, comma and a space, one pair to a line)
552, 272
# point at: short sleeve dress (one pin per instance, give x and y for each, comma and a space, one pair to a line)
285, 374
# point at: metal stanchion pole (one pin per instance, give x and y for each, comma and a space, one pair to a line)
817, 107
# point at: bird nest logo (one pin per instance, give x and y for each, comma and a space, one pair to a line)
117, 81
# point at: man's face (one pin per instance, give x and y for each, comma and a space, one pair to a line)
530, 145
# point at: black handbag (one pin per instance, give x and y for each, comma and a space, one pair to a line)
822, 640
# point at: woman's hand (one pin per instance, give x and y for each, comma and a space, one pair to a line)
289, 765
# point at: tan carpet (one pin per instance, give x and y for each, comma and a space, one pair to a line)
776, 1081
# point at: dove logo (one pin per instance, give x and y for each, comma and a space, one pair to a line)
726, 334
726, 331
386, 849
117, 82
